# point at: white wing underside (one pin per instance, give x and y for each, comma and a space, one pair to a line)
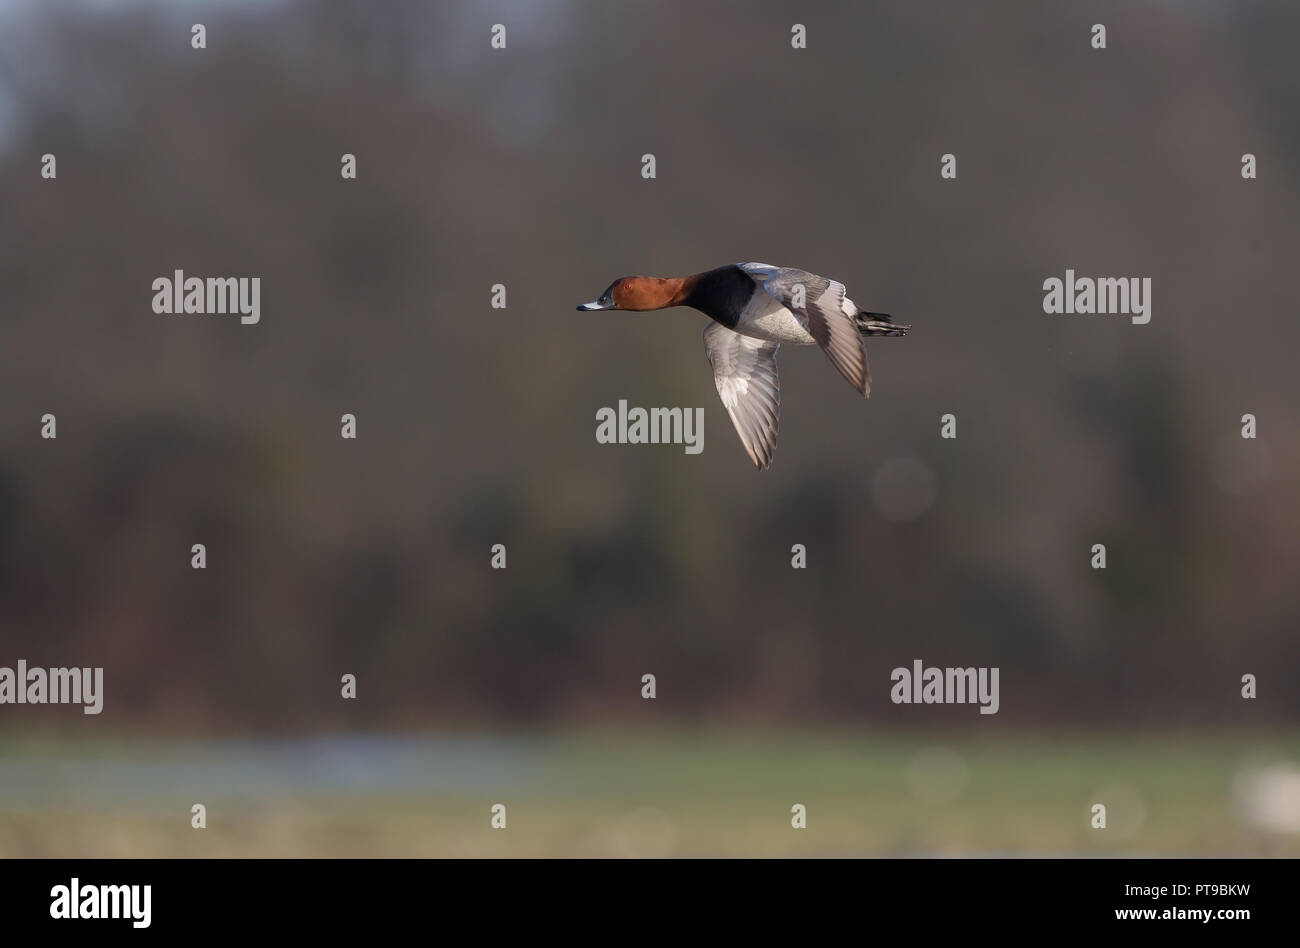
745, 374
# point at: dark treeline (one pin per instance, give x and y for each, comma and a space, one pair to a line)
476, 425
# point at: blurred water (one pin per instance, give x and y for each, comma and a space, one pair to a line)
263, 768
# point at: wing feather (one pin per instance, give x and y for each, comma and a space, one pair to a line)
745, 375
820, 305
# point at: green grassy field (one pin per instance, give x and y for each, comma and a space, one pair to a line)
656, 794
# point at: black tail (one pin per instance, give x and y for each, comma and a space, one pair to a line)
879, 324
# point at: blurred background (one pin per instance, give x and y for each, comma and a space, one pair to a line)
522, 686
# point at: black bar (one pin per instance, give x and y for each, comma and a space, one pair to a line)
367, 897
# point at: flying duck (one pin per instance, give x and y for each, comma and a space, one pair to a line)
755, 308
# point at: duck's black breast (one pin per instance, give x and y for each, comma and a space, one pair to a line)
721, 294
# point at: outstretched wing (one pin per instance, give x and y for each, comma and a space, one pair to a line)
819, 302
744, 371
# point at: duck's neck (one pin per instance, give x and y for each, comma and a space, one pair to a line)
676, 291
720, 294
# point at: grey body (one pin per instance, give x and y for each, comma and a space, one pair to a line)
791, 307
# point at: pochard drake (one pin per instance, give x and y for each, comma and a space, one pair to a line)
755, 308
